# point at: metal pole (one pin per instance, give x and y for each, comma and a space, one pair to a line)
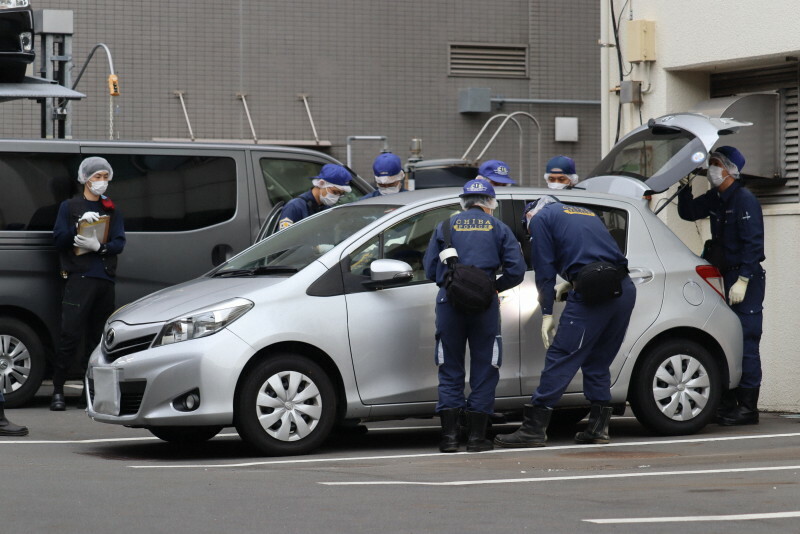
88, 59
180, 94
509, 117
501, 100
304, 98
351, 138
243, 98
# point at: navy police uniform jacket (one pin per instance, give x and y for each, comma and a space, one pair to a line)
298, 209
481, 240
736, 221
563, 240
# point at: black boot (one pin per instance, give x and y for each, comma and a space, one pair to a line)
477, 441
58, 404
726, 405
7, 428
532, 433
747, 411
597, 429
450, 426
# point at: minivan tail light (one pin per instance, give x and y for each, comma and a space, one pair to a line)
713, 277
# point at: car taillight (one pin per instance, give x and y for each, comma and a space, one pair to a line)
712, 276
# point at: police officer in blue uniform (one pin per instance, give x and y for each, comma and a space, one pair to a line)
389, 175
481, 240
329, 186
736, 223
564, 240
496, 172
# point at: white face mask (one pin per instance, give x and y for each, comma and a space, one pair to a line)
389, 190
329, 199
715, 176
98, 188
556, 185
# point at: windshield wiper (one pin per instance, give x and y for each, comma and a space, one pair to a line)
264, 269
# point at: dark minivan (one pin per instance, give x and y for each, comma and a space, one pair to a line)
187, 207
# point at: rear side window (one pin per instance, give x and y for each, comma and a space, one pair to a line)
34, 185
287, 178
172, 193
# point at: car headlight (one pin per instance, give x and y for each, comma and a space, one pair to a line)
11, 4
202, 322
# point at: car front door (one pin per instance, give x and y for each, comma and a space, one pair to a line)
392, 330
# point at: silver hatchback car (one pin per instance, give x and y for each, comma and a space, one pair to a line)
332, 319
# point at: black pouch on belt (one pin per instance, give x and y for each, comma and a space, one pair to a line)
599, 282
714, 254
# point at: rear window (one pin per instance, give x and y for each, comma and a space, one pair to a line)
643, 154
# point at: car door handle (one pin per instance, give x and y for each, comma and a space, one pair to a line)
640, 275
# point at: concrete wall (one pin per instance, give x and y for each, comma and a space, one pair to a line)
371, 67
693, 40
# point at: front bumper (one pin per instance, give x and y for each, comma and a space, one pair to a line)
149, 381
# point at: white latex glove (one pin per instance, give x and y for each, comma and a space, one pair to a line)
87, 243
561, 291
90, 217
684, 180
548, 330
736, 294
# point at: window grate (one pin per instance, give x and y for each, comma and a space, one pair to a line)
488, 60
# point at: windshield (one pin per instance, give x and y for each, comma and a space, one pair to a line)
643, 154
295, 247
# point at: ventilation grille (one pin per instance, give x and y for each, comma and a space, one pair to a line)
488, 60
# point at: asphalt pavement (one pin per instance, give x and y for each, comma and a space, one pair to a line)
72, 474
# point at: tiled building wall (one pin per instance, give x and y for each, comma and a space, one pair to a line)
371, 67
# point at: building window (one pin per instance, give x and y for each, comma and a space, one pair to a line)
487, 60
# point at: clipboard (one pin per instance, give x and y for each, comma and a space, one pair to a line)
86, 229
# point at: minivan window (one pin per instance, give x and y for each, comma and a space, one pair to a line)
172, 193
293, 248
643, 154
287, 178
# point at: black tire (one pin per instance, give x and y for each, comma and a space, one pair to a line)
22, 362
274, 430
676, 401
185, 435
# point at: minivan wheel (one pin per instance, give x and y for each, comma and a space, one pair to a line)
185, 435
287, 405
22, 362
676, 389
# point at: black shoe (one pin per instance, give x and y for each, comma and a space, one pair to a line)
477, 442
450, 429
597, 429
532, 433
58, 404
727, 405
746, 413
7, 428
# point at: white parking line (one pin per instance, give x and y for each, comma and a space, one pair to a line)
692, 519
558, 479
99, 440
496, 451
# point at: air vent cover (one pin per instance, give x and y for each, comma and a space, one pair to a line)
488, 60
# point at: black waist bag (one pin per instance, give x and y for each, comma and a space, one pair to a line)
599, 282
469, 289
714, 253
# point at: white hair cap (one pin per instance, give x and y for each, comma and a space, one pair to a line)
322, 184
731, 167
484, 201
390, 179
573, 178
90, 166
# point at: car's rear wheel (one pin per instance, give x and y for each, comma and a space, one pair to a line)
22, 362
676, 388
287, 405
185, 435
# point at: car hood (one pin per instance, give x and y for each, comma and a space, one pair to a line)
184, 298
660, 153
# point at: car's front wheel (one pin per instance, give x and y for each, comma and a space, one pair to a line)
286, 406
185, 435
22, 362
676, 389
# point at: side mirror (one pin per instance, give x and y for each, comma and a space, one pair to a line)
388, 273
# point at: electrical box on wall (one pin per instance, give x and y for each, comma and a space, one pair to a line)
567, 129
640, 41
630, 92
